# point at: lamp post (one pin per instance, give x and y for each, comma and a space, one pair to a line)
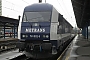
40, 1
45, 1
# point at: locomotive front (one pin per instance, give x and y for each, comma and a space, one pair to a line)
36, 26
35, 31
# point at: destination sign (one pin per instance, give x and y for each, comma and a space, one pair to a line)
35, 30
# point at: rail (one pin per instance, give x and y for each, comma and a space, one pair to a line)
63, 53
22, 57
60, 58
7, 45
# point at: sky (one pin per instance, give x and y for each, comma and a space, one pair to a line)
14, 8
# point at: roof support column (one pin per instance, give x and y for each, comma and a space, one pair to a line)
87, 32
14, 30
4, 30
87, 29
17, 31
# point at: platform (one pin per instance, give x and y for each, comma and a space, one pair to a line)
78, 50
8, 39
10, 55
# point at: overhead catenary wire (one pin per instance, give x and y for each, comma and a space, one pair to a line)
72, 17
65, 7
11, 9
13, 3
68, 16
11, 6
64, 10
25, 2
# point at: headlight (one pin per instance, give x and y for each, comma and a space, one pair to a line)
45, 36
26, 35
23, 35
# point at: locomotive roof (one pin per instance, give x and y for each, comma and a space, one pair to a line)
39, 7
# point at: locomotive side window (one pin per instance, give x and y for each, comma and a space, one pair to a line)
24, 18
36, 17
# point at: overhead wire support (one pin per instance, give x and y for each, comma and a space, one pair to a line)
45, 1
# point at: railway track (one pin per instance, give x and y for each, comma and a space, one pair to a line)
6, 50
23, 57
64, 51
7, 45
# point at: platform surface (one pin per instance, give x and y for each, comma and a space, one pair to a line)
9, 55
78, 50
8, 39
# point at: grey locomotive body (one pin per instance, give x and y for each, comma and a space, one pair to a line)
43, 31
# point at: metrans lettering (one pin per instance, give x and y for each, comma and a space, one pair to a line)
35, 30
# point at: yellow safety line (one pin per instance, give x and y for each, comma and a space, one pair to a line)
68, 56
63, 52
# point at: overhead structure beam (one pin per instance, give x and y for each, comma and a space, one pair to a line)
81, 11
9, 20
77, 2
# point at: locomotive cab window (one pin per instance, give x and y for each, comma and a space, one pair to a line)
36, 17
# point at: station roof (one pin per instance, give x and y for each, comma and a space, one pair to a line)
9, 20
82, 12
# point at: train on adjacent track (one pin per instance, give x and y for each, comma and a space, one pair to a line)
43, 31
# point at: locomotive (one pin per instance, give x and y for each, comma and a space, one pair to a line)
43, 31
